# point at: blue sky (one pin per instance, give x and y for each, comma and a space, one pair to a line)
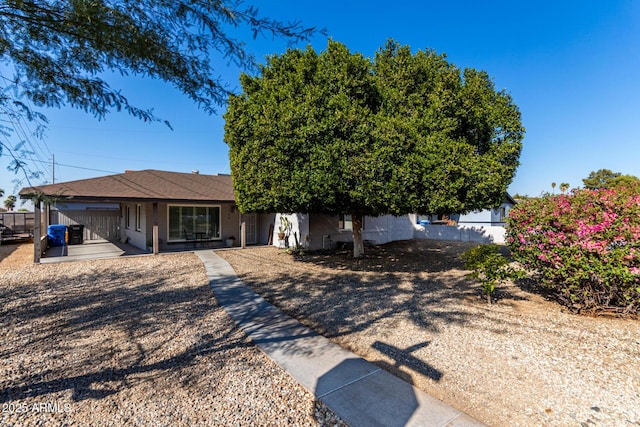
571, 67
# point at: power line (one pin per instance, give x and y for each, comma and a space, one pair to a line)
64, 165
100, 156
16, 121
87, 169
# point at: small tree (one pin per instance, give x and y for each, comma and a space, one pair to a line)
564, 187
489, 267
336, 133
10, 202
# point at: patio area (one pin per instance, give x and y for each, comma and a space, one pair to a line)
93, 249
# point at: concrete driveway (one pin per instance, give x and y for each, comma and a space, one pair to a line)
92, 249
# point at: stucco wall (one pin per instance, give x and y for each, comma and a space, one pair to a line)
323, 232
229, 225
461, 233
263, 221
137, 238
299, 225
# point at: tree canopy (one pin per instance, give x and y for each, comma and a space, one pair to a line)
337, 133
10, 202
604, 178
55, 52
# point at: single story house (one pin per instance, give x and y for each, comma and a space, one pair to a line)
149, 208
162, 211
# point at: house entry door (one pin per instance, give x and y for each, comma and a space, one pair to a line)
250, 221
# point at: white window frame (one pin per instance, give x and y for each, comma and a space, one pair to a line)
342, 223
502, 213
138, 217
127, 217
182, 238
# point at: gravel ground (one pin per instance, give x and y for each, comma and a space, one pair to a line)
132, 341
408, 307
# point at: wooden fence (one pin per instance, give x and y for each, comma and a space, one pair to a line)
16, 224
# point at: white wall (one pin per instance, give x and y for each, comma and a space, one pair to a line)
137, 238
323, 230
461, 233
387, 228
299, 225
317, 231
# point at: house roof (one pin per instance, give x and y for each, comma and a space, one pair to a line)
145, 185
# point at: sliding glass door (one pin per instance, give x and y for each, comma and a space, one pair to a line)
188, 220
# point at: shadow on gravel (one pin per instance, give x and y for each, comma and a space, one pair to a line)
347, 295
7, 249
105, 382
417, 288
338, 305
406, 256
95, 333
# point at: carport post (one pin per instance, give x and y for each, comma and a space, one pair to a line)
155, 228
36, 232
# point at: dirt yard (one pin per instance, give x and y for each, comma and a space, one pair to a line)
409, 308
137, 341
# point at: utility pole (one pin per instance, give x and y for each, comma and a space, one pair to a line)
53, 168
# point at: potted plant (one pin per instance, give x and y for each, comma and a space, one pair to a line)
284, 227
229, 241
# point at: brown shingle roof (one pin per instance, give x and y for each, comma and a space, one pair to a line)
147, 185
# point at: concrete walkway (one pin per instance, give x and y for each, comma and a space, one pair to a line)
357, 391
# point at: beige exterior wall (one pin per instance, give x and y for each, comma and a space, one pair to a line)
142, 236
229, 224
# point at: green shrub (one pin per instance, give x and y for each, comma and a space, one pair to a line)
489, 267
585, 246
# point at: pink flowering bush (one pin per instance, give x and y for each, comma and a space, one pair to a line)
584, 245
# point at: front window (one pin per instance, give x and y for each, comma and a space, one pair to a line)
187, 220
503, 214
345, 222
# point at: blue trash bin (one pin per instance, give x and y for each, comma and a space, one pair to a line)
56, 234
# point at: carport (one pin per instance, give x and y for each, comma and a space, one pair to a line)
96, 249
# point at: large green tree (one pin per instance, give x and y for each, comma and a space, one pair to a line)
56, 52
605, 178
338, 133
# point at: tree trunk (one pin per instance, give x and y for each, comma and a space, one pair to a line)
358, 246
